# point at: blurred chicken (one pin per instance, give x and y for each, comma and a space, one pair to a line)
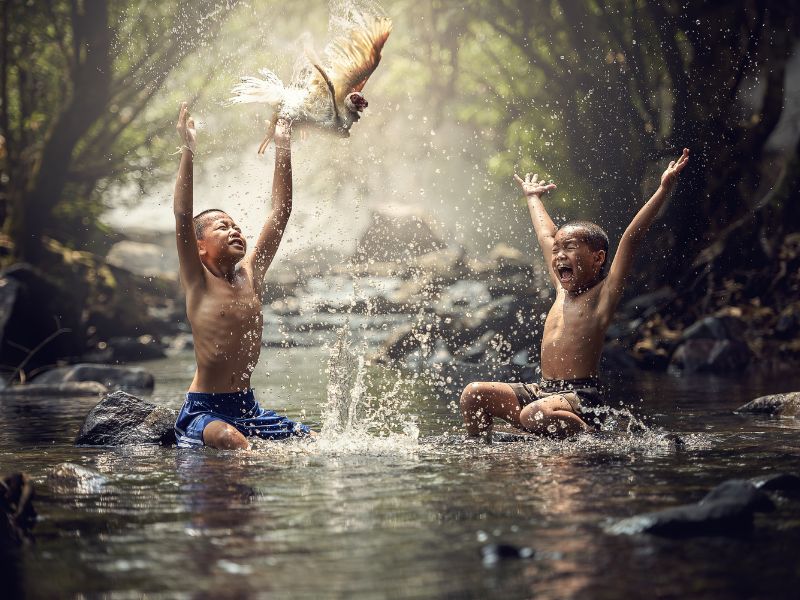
328, 93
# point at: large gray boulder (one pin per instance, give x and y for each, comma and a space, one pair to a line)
778, 405
121, 419
111, 376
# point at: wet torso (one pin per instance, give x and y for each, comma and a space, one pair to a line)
573, 337
227, 324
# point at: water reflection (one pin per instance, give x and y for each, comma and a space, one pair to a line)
365, 517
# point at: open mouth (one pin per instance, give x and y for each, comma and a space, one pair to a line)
237, 243
564, 273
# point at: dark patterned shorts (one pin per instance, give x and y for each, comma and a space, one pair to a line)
587, 393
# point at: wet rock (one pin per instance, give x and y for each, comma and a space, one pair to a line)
17, 515
519, 284
286, 307
127, 349
179, 343
678, 443
741, 492
67, 389
616, 358
478, 349
32, 308
440, 355
496, 314
111, 376
508, 259
726, 510
447, 265
69, 478
715, 328
709, 355
782, 482
494, 553
623, 328
779, 405
403, 341
396, 237
141, 258
121, 419
647, 304
649, 356
464, 294
509, 435
787, 326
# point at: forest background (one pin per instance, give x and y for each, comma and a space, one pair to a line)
596, 96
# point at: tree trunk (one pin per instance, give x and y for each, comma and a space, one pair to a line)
91, 79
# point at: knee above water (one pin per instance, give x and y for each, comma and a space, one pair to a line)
230, 438
470, 393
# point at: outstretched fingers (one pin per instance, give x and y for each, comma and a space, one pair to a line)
183, 114
682, 161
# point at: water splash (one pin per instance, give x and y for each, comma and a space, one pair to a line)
618, 420
355, 422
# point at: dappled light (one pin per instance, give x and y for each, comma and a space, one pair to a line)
399, 299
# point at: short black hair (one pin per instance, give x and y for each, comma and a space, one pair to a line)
201, 219
595, 237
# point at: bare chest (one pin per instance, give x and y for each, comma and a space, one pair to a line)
226, 306
573, 318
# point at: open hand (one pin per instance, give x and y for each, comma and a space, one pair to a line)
531, 186
670, 176
185, 127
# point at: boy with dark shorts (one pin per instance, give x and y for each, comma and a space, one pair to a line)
575, 328
223, 285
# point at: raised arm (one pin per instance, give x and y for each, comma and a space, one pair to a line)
638, 228
272, 232
191, 269
542, 223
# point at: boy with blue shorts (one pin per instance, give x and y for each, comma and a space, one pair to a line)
223, 285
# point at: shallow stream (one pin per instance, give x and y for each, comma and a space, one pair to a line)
390, 503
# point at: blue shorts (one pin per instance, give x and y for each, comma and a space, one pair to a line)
239, 409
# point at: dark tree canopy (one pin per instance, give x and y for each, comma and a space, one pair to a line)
75, 80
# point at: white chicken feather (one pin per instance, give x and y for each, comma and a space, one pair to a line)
327, 93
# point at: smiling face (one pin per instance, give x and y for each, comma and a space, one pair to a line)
219, 239
576, 266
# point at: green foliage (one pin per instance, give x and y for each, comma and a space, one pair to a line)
595, 95
65, 59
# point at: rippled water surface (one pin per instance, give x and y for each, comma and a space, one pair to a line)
401, 508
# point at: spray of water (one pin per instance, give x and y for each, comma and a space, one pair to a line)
355, 422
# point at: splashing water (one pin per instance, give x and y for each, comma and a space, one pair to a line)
354, 422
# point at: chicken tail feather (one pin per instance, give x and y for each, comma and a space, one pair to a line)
269, 90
